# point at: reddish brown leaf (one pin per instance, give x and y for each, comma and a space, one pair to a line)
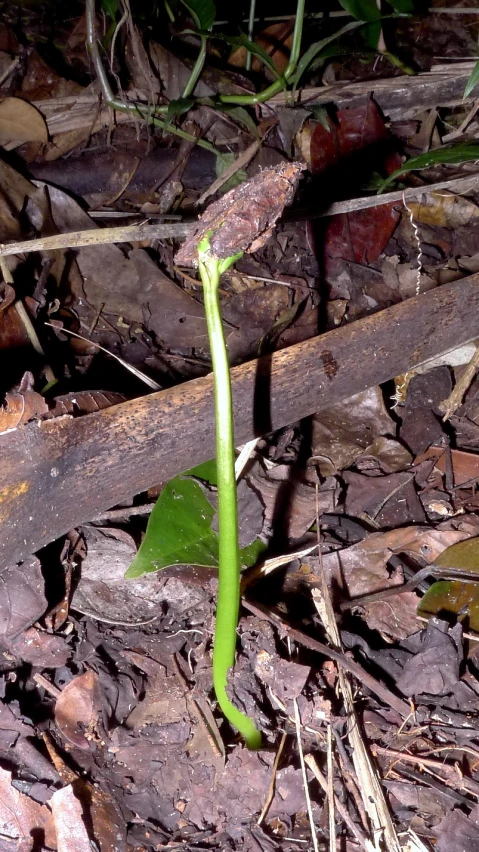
84, 402
353, 131
356, 143
72, 835
20, 816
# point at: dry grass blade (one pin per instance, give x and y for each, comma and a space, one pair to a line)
297, 722
330, 793
237, 164
342, 811
384, 831
76, 239
270, 796
139, 375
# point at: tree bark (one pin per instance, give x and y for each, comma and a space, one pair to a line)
60, 473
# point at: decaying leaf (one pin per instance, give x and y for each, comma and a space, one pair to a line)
21, 817
243, 219
71, 833
22, 405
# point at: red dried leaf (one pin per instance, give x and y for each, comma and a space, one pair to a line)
358, 141
351, 133
243, 219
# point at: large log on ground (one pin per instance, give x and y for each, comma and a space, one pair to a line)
60, 473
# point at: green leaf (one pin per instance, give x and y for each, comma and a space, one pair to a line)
179, 532
203, 12
473, 80
243, 41
362, 10
448, 154
178, 107
206, 471
402, 7
316, 48
238, 114
110, 7
320, 113
451, 597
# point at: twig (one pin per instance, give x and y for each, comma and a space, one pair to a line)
449, 405
330, 793
270, 794
342, 811
28, 325
242, 160
297, 722
345, 662
9, 69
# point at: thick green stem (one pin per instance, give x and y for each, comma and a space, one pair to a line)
227, 607
278, 85
148, 114
196, 71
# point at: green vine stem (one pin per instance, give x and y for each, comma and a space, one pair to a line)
227, 607
148, 113
278, 85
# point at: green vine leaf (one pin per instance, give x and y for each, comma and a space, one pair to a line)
446, 155
242, 40
206, 471
203, 13
362, 10
179, 532
318, 47
473, 80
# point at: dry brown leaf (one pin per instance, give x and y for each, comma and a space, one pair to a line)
78, 708
67, 814
22, 817
444, 209
363, 565
21, 122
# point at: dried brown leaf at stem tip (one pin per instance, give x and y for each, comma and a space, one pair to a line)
243, 219
21, 405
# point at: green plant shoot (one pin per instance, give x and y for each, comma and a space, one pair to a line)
227, 608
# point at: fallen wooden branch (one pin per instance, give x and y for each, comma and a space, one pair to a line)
399, 98
60, 473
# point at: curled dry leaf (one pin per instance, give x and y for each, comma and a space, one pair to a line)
21, 122
78, 708
243, 219
84, 402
